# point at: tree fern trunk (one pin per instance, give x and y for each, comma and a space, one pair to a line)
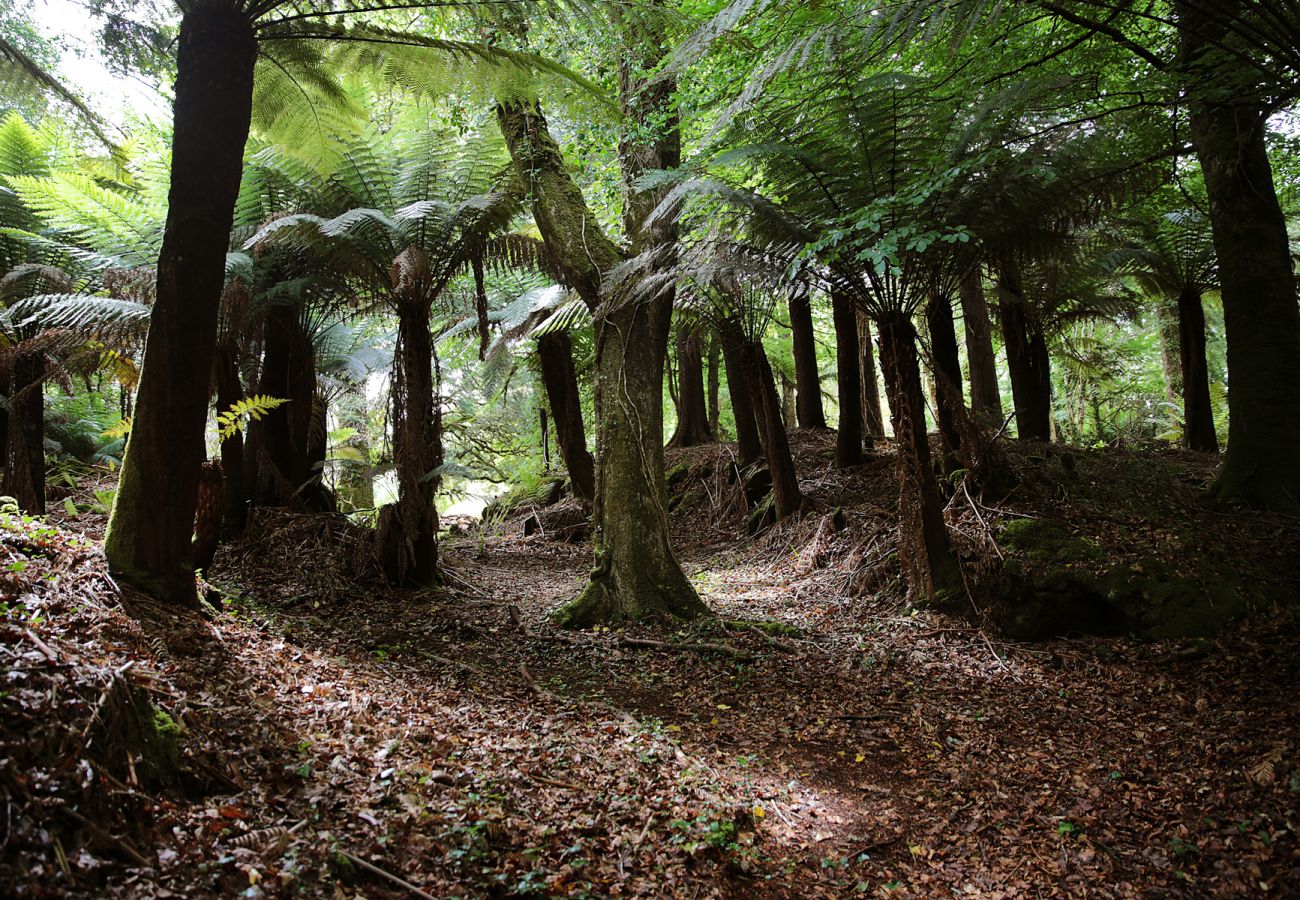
749, 446
1198, 413
928, 562
229, 392
1027, 359
692, 415
714, 383
786, 495
148, 539
985, 396
1228, 120
25, 448
872, 419
807, 381
559, 378
848, 378
947, 379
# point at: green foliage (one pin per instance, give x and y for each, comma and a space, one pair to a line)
250, 409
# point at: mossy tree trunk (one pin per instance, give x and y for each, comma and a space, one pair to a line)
24, 477
749, 444
1167, 330
928, 561
1228, 122
848, 378
636, 575
1027, 358
985, 397
1198, 412
692, 409
872, 420
946, 364
807, 380
560, 379
148, 539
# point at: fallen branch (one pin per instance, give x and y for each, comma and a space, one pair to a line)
555, 782
105, 838
389, 876
689, 647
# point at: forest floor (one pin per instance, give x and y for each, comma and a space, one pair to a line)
818, 738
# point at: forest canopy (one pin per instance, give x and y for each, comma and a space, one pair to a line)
985, 313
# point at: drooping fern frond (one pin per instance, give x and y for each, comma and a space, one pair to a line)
250, 409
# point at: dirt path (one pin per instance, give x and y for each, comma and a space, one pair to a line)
866, 752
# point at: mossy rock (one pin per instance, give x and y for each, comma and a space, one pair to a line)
1163, 606
1055, 605
1043, 539
674, 476
135, 735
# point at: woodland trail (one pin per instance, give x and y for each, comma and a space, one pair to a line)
858, 751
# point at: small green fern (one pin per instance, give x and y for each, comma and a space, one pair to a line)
250, 409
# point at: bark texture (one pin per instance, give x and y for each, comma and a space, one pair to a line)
1027, 358
229, 392
749, 445
946, 364
692, 409
559, 377
1194, 376
148, 539
848, 378
24, 477
787, 498
873, 421
985, 396
1227, 119
807, 380
635, 575
929, 565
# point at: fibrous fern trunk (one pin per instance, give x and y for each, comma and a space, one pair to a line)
148, 539
749, 445
946, 364
985, 396
408, 532
692, 409
1261, 466
555, 353
872, 420
1198, 413
787, 498
848, 377
807, 381
25, 439
229, 392
929, 565
1027, 359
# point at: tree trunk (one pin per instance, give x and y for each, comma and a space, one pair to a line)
208, 515
786, 496
789, 417
928, 561
985, 396
636, 574
749, 446
1027, 359
946, 365
807, 380
848, 378
1167, 329
714, 384
1261, 466
356, 486
1198, 413
229, 392
288, 372
872, 419
409, 534
692, 411
148, 539
559, 378
480, 303
25, 448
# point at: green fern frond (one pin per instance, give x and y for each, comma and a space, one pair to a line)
250, 409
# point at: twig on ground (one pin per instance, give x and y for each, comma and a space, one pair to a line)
688, 647
104, 837
386, 875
